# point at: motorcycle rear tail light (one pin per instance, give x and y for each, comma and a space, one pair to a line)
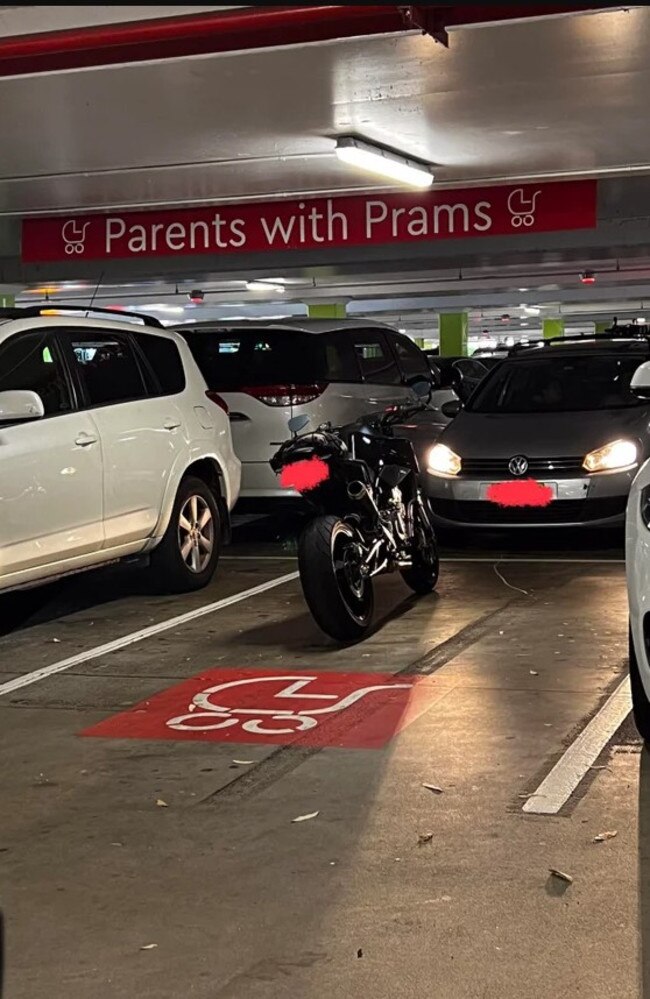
217, 399
285, 395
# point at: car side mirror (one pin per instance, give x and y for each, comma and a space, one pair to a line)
298, 423
451, 408
640, 384
17, 405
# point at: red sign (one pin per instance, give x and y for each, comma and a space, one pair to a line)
354, 710
313, 224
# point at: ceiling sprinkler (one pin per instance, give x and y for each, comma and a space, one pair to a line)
196, 296
505, 318
588, 277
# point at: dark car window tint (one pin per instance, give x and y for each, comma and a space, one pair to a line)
342, 365
30, 361
164, 360
376, 361
558, 385
232, 359
410, 358
108, 367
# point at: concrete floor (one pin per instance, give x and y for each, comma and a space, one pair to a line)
241, 902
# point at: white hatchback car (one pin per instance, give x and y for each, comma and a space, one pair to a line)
111, 445
328, 370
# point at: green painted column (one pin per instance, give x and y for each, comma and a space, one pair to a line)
326, 310
552, 328
7, 301
602, 327
453, 334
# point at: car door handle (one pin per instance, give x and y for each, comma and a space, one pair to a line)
172, 424
85, 440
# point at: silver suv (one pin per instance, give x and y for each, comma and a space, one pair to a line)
328, 370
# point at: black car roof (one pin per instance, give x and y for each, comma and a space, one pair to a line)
579, 347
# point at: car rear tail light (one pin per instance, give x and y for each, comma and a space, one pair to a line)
216, 398
285, 395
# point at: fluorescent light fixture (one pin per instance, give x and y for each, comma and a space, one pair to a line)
384, 162
264, 286
641, 319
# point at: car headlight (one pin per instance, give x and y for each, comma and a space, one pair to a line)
618, 454
443, 461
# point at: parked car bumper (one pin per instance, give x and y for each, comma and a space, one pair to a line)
589, 501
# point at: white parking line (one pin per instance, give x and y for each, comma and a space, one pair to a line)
138, 636
556, 788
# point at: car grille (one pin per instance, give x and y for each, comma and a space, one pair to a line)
491, 467
557, 512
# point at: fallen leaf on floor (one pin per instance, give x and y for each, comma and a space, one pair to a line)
603, 767
161, 803
561, 875
548, 725
424, 838
604, 836
304, 818
117, 844
148, 946
434, 788
533, 672
243, 763
359, 952
57, 641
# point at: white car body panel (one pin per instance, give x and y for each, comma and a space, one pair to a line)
66, 506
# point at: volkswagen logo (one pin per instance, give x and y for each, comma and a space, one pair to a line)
518, 465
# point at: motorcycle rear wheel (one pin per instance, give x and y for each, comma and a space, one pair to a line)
339, 597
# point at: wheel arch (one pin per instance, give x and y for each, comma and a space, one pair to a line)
209, 470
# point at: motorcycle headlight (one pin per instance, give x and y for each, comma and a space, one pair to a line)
618, 454
443, 461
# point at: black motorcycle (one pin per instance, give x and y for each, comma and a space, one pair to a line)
363, 481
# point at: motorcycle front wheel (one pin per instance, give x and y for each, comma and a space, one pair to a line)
422, 575
338, 595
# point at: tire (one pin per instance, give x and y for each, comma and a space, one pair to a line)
640, 702
184, 560
422, 576
340, 603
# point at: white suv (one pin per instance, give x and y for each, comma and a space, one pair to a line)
111, 445
329, 370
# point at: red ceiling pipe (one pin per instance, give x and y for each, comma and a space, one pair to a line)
239, 30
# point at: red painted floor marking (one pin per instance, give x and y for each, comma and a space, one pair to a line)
352, 710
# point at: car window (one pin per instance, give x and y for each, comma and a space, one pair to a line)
31, 361
375, 359
108, 367
410, 358
558, 385
165, 362
342, 364
234, 359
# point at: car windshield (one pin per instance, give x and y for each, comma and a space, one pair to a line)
230, 359
558, 385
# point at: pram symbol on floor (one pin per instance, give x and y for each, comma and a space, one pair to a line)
73, 234
207, 712
521, 208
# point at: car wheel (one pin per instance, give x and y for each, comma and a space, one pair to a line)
188, 554
640, 702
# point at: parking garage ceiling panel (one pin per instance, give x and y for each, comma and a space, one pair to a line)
262, 124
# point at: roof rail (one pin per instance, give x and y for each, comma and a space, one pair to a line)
610, 337
31, 311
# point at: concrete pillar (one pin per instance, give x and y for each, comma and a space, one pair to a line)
453, 334
326, 310
7, 301
552, 328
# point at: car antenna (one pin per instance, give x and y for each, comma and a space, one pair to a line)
94, 296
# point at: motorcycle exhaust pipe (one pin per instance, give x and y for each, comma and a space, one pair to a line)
357, 490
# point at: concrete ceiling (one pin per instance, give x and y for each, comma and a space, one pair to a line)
553, 97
